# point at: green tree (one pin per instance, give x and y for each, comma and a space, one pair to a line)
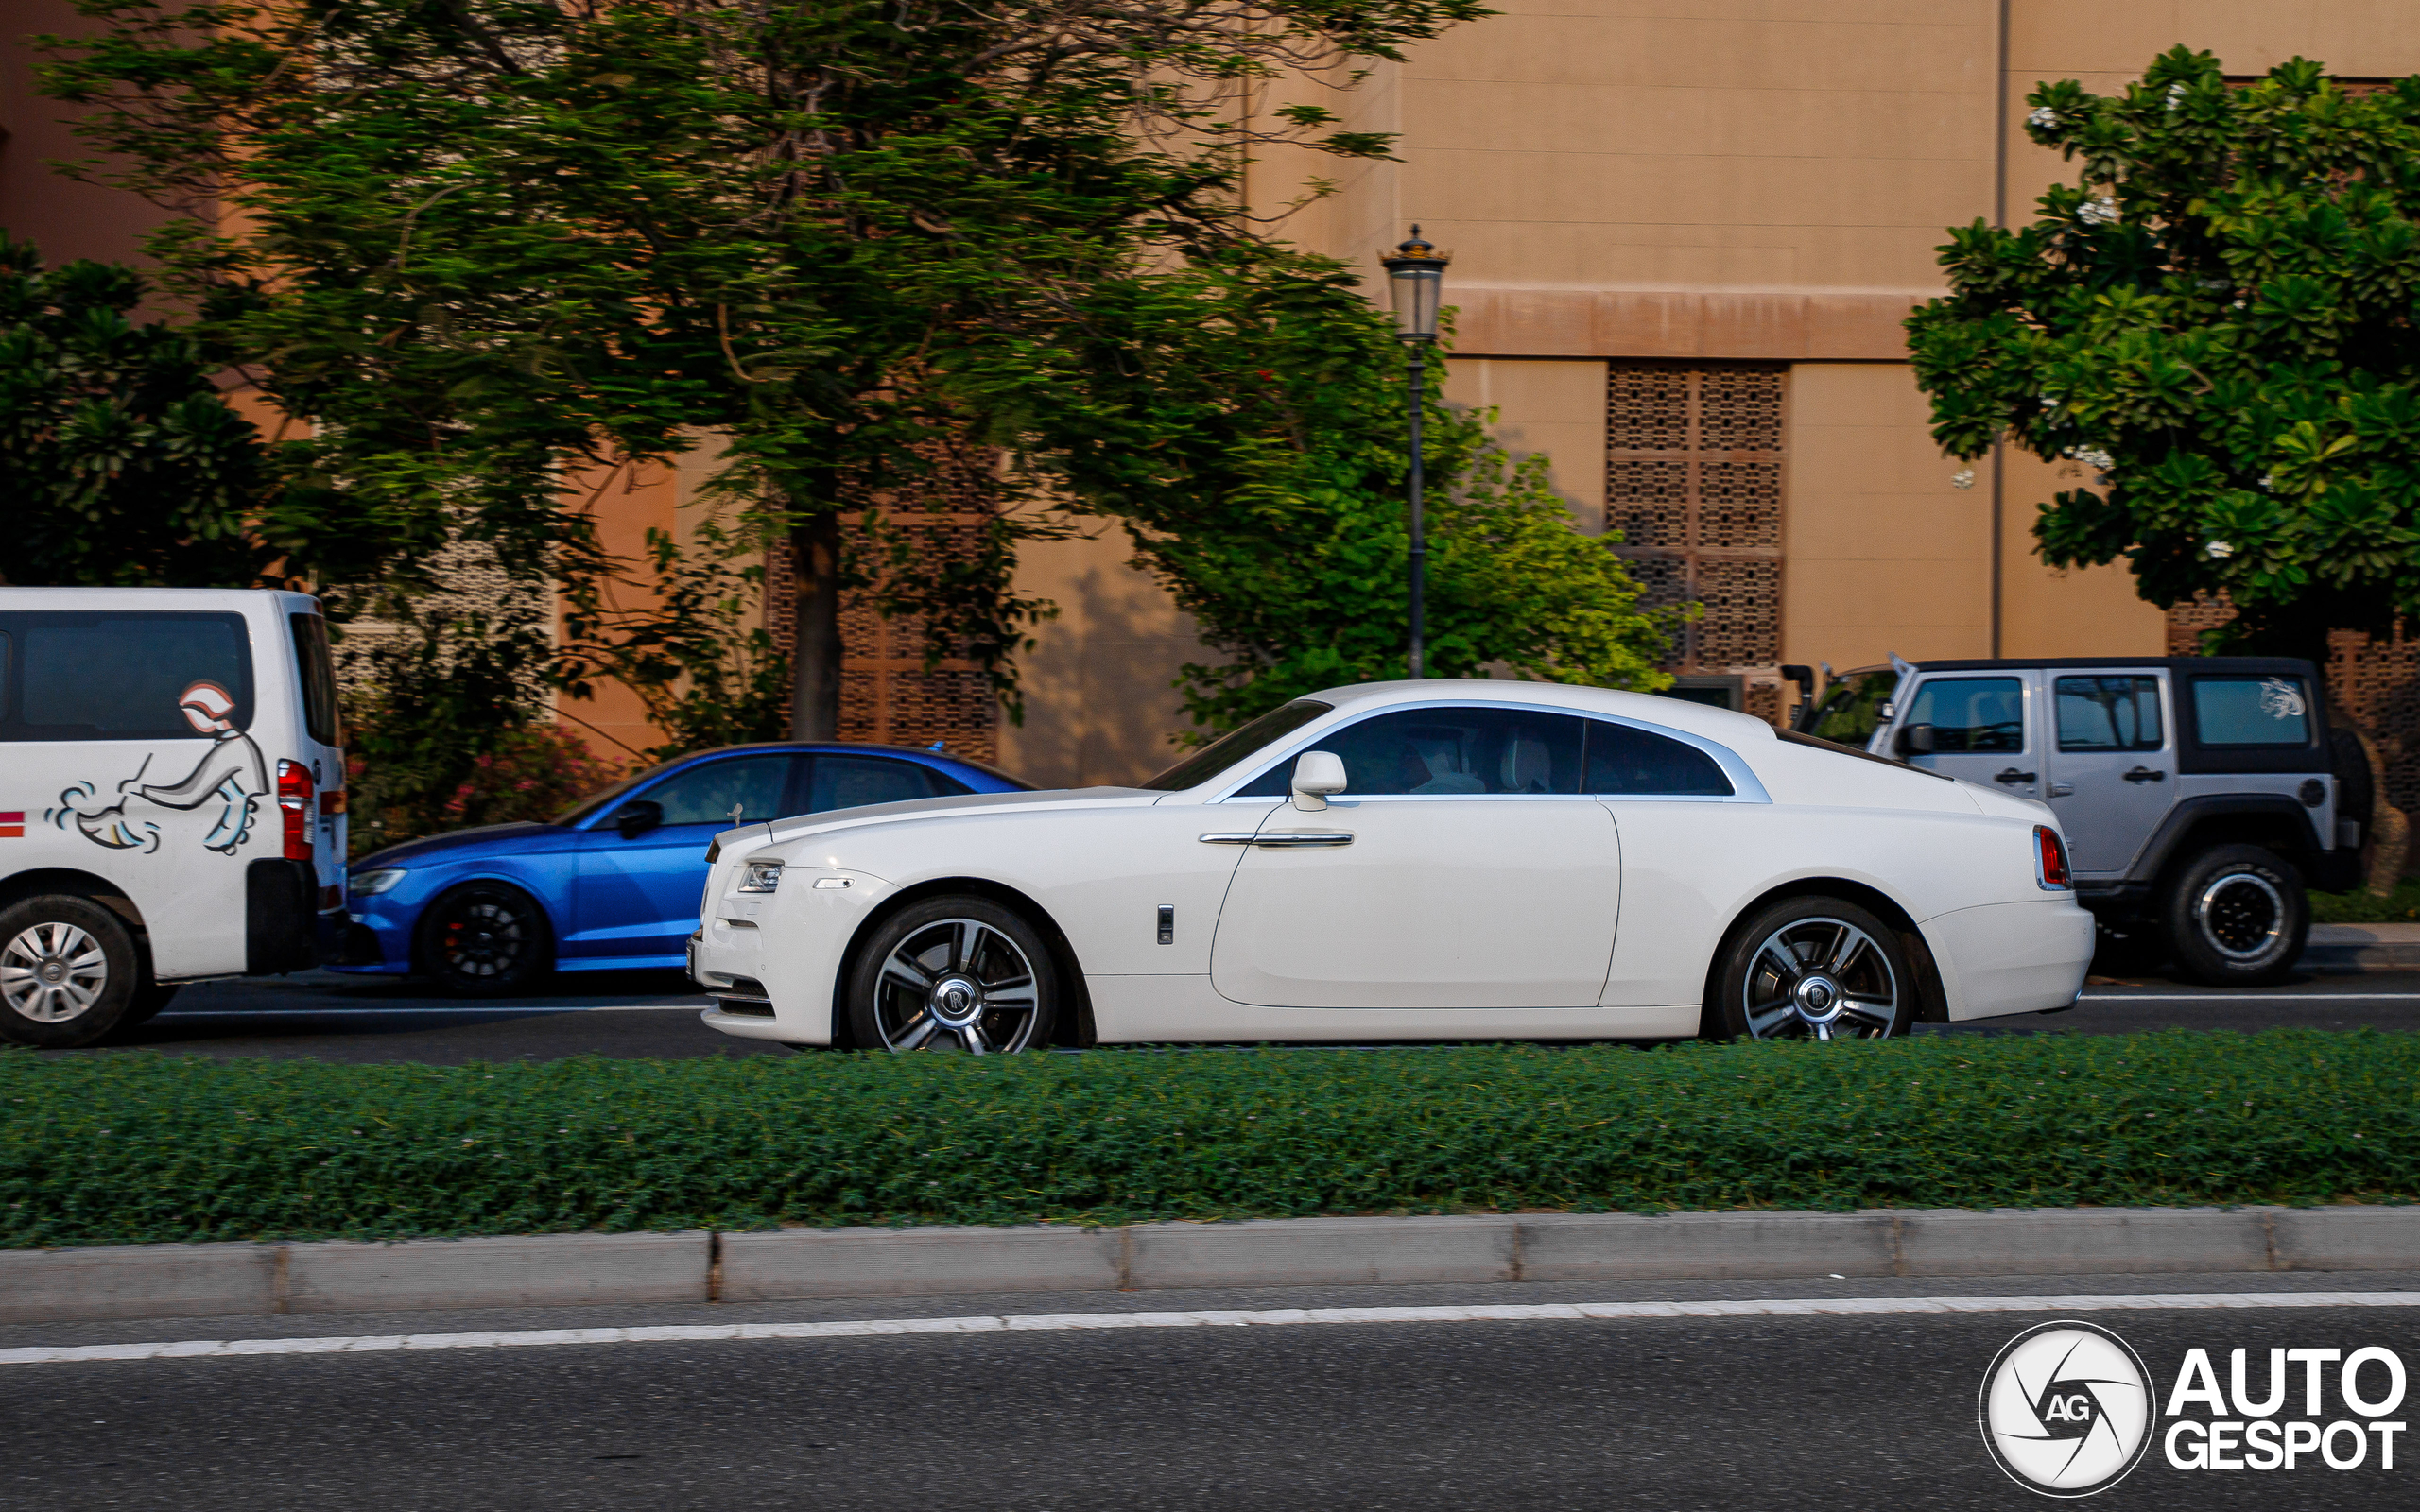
484, 246
124, 464
2217, 323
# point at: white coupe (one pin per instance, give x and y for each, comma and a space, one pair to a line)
1437, 859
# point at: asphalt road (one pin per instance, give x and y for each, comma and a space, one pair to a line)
1750, 1411
330, 1017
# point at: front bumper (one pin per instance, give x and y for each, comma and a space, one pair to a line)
776, 957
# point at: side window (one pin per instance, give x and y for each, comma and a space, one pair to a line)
1441, 752
318, 679
2109, 713
102, 675
1970, 714
1626, 761
706, 795
852, 781
2251, 712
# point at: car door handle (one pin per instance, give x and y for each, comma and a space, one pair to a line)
1284, 839
1228, 839
2144, 774
2062, 789
2012, 776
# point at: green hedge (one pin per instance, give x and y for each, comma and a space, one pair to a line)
113, 1149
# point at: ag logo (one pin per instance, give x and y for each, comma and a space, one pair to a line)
2066, 1409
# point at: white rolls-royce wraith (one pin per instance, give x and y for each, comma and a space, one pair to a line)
1435, 860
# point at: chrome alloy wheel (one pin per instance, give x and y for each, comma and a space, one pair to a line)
1820, 979
2242, 915
957, 984
52, 972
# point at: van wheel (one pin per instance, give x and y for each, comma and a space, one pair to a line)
485, 940
67, 971
1812, 968
2237, 916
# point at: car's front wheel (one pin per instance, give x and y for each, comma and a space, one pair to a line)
954, 974
2237, 916
485, 940
1812, 968
67, 971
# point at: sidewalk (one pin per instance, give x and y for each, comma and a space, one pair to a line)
2348, 948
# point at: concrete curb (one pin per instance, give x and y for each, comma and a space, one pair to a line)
558, 1270
2358, 948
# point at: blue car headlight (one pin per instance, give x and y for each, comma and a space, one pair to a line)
366, 884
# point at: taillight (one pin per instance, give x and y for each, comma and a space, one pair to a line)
2050, 859
294, 786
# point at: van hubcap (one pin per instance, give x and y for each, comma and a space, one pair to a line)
53, 973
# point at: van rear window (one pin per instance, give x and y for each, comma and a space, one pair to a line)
121, 675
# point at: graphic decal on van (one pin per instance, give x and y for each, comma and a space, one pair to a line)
231, 773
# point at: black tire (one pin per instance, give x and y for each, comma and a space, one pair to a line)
1812, 968
954, 974
2236, 915
148, 1000
68, 971
486, 939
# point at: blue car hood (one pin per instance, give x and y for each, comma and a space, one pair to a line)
452, 840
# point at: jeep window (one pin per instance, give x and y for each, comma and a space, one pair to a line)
122, 676
2251, 712
1852, 708
1970, 714
2109, 713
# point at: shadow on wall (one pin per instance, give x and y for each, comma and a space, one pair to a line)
1100, 704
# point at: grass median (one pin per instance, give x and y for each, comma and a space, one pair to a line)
139, 1149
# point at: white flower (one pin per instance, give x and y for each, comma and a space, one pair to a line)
2099, 211
2220, 550
2269, 480
2049, 400
2175, 95
1963, 478
2093, 457
2043, 116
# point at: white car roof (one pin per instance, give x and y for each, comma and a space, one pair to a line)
1673, 714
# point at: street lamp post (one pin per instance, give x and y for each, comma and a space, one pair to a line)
1416, 275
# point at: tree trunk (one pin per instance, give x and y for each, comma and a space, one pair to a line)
814, 670
2390, 831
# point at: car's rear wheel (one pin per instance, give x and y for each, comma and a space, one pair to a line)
2237, 916
954, 974
67, 971
1813, 968
486, 939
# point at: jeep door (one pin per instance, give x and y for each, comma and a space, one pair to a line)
2111, 763
1984, 727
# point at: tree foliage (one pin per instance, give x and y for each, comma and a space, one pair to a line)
2217, 321
124, 464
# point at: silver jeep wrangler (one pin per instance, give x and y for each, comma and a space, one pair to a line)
2199, 795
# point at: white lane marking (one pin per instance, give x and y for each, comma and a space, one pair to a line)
1063, 1322
2250, 997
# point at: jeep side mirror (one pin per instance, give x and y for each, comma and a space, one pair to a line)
637, 816
1317, 774
1916, 740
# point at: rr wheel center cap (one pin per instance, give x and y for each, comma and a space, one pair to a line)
955, 1001
1819, 999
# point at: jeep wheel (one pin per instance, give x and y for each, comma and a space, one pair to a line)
2237, 916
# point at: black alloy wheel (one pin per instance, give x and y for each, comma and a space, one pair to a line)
485, 940
2237, 916
960, 973
1812, 968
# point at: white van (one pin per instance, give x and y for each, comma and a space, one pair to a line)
171, 798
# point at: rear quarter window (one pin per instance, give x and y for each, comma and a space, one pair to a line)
119, 674
2251, 712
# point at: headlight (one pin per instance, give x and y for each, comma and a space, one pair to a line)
760, 876
366, 883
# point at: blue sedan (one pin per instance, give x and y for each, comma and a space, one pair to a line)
613, 883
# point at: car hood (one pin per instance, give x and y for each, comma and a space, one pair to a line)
452, 841
774, 832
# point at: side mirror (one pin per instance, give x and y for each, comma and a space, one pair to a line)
1317, 773
637, 816
1915, 740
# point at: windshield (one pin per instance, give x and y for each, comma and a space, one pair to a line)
1852, 708
597, 800
1238, 745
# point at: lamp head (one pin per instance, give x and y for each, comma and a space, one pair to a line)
1416, 276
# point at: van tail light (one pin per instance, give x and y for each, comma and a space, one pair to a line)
294, 786
2050, 859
